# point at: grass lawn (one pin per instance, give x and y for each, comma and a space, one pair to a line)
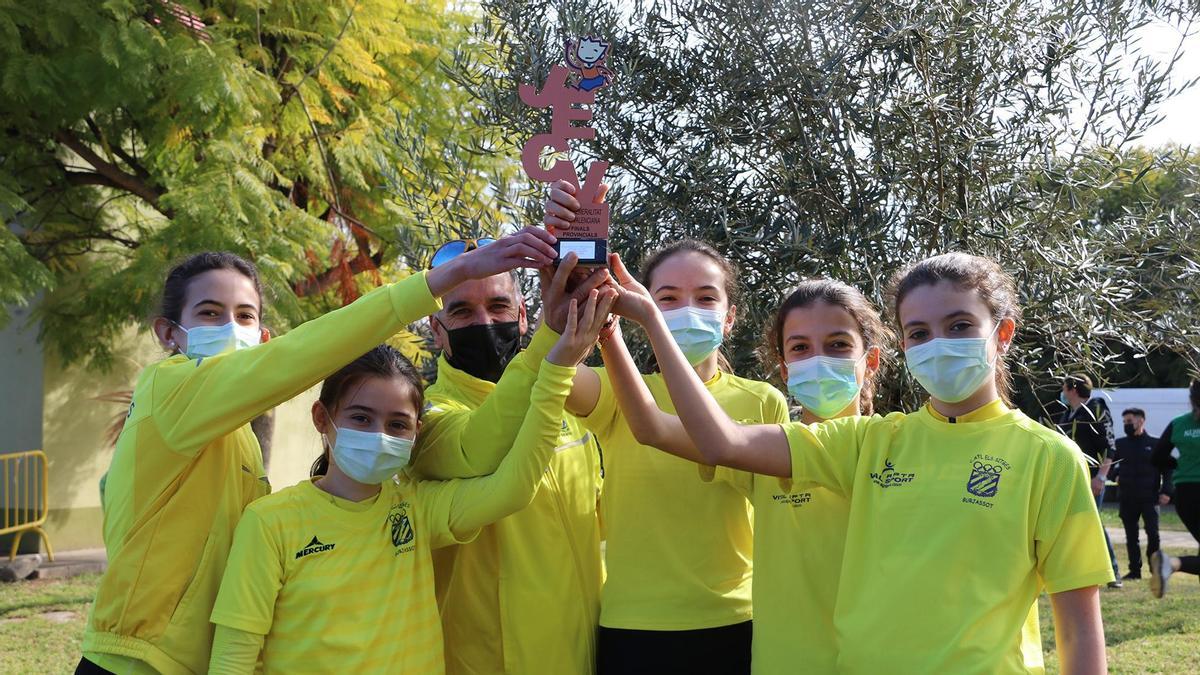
1144, 635
1167, 519
41, 623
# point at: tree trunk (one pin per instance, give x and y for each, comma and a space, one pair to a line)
263, 427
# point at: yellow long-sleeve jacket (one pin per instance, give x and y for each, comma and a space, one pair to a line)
186, 465
524, 597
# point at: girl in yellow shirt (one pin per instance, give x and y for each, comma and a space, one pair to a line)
960, 513
678, 550
335, 574
186, 463
826, 338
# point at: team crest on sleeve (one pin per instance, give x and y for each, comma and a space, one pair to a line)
984, 482
401, 528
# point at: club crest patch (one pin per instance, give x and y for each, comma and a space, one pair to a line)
984, 480
401, 527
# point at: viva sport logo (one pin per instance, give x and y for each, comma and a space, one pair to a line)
890, 477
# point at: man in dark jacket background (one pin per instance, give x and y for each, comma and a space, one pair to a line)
1089, 426
1142, 487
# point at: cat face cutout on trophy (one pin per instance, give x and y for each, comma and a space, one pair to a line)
567, 91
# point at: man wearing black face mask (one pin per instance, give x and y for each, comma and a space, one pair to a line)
480, 326
1141, 484
523, 597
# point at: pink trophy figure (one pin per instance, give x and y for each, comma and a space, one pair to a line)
587, 236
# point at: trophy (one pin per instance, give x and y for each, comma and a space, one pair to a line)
567, 91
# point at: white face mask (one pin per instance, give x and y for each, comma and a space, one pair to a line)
206, 341
698, 332
824, 385
951, 369
370, 458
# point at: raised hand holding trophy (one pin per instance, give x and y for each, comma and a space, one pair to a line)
566, 89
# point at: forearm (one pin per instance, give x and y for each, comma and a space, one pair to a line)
234, 651
446, 276
197, 401
487, 499
649, 424
711, 430
1079, 631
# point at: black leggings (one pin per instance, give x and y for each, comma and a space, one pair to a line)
1187, 505
86, 667
708, 651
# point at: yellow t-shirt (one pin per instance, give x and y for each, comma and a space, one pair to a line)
186, 465
799, 536
336, 589
678, 550
954, 530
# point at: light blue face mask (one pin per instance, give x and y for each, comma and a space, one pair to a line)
951, 369
370, 458
698, 332
824, 385
206, 341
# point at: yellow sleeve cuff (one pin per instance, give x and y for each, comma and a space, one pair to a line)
563, 376
412, 299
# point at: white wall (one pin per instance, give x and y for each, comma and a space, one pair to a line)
1161, 406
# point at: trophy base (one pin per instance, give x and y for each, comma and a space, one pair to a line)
591, 252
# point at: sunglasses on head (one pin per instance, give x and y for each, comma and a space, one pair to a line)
452, 249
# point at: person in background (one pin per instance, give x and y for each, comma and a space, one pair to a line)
1179, 450
1089, 427
1141, 487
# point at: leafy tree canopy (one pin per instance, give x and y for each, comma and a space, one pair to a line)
849, 138
134, 132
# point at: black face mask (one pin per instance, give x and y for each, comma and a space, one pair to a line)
484, 350
1129, 430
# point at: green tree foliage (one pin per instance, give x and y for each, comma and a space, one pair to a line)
1159, 186
849, 138
136, 131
